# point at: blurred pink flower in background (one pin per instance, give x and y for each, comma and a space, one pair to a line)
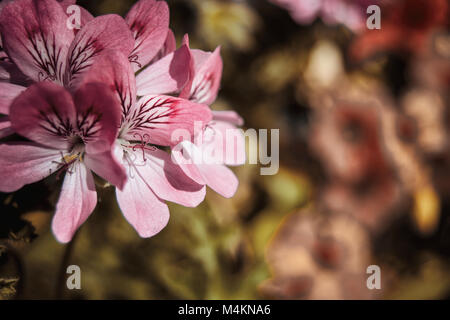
348, 135
406, 25
351, 13
314, 256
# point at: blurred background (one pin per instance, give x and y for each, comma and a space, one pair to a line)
364, 173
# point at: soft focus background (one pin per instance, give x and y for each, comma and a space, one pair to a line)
364, 170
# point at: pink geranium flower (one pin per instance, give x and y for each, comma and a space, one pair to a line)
150, 113
148, 122
150, 117
38, 46
68, 133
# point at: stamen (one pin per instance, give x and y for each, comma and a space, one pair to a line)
210, 127
143, 145
134, 59
44, 77
68, 160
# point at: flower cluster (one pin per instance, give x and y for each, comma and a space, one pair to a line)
108, 98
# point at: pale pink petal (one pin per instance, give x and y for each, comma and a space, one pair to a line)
218, 177
109, 32
44, 113
142, 208
77, 200
149, 22
167, 75
182, 155
226, 141
165, 178
106, 166
162, 117
169, 46
98, 117
36, 38
85, 16
23, 163
8, 92
206, 79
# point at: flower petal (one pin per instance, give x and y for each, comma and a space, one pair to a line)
226, 142
167, 75
142, 208
228, 116
36, 38
109, 32
98, 117
169, 46
218, 177
23, 163
163, 116
5, 127
8, 92
76, 202
165, 178
205, 82
114, 70
44, 113
9, 72
149, 22
106, 166
85, 16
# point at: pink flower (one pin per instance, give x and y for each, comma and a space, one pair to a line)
149, 119
40, 47
205, 75
220, 143
109, 51
67, 133
406, 28
149, 116
152, 176
351, 13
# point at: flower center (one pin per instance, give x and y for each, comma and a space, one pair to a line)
75, 154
